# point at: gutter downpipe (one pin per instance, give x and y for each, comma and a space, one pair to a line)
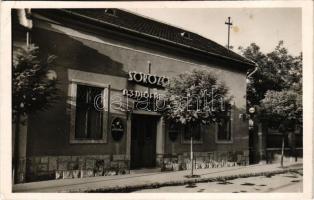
253, 72
261, 135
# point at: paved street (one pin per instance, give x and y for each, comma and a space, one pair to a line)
133, 182
288, 182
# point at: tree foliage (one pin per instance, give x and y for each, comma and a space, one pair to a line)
276, 87
277, 70
280, 106
196, 97
32, 90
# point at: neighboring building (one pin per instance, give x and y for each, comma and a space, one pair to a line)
97, 50
266, 144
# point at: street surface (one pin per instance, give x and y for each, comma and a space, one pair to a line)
286, 183
133, 181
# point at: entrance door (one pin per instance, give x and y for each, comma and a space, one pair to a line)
143, 145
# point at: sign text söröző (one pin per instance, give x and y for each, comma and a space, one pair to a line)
151, 79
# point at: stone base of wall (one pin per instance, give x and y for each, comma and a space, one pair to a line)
203, 160
64, 167
274, 155
61, 167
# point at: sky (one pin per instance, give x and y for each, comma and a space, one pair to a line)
264, 26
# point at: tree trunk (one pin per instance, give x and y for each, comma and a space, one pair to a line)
294, 146
191, 156
282, 150
16, 148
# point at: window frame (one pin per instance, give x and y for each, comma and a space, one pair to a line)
176, 131
186, 35
184, 141
219, 141
73, 94
113, 14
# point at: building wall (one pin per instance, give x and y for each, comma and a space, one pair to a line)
107, 60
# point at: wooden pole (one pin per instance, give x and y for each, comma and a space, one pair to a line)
282, 150
191, 155
27, 39
149, 71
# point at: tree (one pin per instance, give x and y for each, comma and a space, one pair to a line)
276, 71
276, 87
32, 89
193, 98
284, 108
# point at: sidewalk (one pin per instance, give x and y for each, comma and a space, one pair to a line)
128, 182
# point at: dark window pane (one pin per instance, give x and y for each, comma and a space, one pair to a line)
80, 123
81, 95
88, 123
95, 124
197, 133
194, 131
224, 129
174, 127
187, 133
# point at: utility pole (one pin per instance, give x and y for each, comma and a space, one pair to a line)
229, 24
149, 71
149, 108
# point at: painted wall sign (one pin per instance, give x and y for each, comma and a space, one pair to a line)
151, 79
135, 94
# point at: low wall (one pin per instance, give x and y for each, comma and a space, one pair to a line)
203, 160
274, 155
60, 167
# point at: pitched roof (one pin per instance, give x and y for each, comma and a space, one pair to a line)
142, 25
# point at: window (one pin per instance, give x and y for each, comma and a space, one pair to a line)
196, 132
224, 127
88, 119
224, 130
186, 35
110, 11
88, 110
174, 130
